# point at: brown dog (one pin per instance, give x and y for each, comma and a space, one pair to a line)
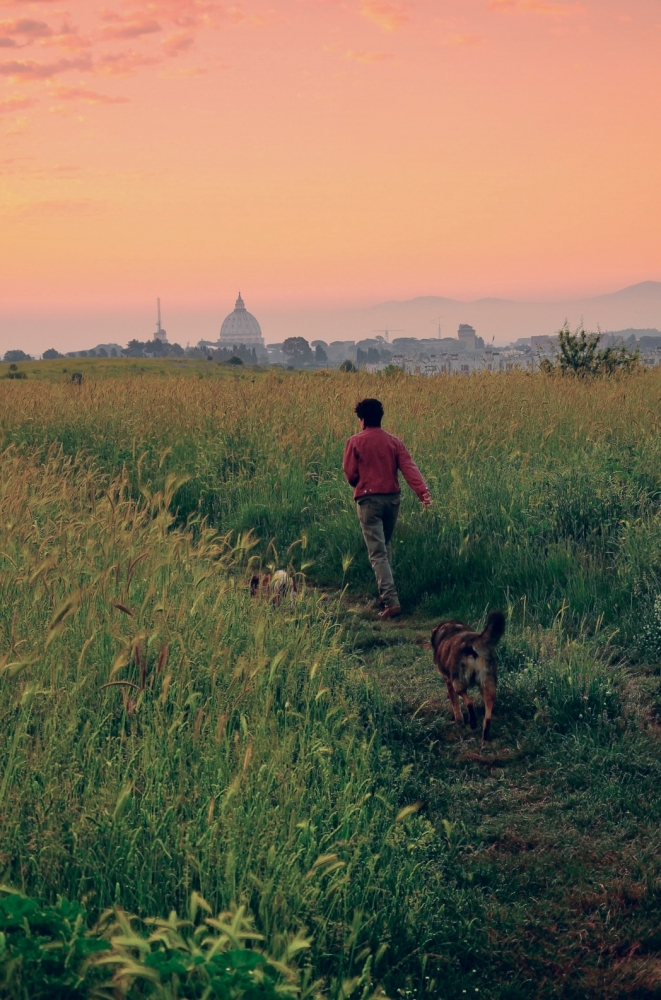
465, 658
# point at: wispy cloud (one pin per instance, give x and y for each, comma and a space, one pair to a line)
461, 40
386, 13
240, 16
123, 63
68, 38
191, 13
131, 27
178, 42
125, 40
20, 127
553, 7
184, 72
368, 58
10, 105
30, 69
24, 28
86, 95
56, 207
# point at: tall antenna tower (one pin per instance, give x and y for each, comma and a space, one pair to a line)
439, 325
160, 332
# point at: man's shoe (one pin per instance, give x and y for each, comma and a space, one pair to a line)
391, 612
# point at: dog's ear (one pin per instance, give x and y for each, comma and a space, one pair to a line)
434, 637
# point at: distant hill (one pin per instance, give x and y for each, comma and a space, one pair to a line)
636, 308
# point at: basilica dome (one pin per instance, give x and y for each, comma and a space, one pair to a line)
241, 327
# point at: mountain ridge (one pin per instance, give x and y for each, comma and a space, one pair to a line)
641, 287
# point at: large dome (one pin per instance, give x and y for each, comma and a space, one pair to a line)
241, 327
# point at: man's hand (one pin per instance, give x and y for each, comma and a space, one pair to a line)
426, 498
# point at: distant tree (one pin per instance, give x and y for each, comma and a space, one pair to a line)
361, 356
320, 356
348, 366
113, 352
101, 352
51, 354
579, 354
235, 360
157, 348
373, 355
17, 356
82, 354
176, 351
134, 349
297, 351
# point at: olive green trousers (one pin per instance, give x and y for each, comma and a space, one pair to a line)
378, 517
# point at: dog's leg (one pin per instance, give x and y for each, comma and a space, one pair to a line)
489, 697
472, 718
454, 701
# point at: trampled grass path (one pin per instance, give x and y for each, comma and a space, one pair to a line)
549, 827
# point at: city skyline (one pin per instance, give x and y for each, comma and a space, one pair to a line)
497, 321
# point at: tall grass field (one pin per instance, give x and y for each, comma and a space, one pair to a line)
206, 794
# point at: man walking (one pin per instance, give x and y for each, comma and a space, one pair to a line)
372, 460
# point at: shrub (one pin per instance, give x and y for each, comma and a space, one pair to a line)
579, 354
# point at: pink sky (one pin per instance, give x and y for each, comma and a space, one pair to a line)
326, 152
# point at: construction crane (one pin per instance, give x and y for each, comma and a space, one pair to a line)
387, 332
439, 325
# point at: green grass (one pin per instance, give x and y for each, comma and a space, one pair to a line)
261, 756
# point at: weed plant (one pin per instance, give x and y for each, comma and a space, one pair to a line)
546, 487
164, 735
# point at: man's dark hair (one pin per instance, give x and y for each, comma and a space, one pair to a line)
371, 411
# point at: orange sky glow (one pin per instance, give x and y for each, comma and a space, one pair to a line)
327, 152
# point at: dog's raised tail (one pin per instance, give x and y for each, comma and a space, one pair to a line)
495, 628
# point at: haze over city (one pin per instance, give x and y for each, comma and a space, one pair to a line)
321, 157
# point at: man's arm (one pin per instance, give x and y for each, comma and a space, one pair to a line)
412, 475
350, 463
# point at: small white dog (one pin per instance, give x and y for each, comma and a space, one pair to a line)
274, 586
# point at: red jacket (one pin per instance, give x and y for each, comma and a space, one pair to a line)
372, 460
